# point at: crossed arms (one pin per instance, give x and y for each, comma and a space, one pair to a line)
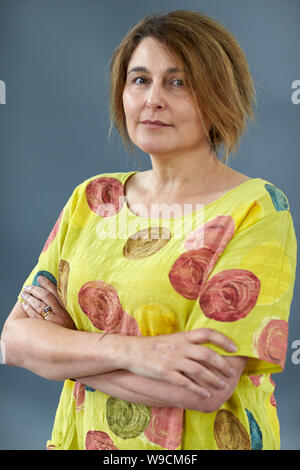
174, 370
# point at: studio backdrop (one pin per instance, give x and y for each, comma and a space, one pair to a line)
54, 122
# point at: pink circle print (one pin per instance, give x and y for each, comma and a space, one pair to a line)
230, 295
105, 196
53, 232
79, 395
190, 270
255, 379
215, 234
99, 440
100, 302
271, 341
272, 397
165, 427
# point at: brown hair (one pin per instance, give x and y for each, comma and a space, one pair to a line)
218, 79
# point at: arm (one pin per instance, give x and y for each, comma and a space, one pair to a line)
158, 393
128, 385
55, 352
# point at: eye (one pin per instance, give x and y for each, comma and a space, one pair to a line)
178, 80
139, 78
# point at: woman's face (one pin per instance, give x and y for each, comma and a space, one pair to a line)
157, 92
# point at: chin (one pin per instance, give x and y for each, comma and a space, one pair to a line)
153, 146
155, 150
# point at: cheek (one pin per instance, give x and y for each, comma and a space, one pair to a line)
131, 104
194, 121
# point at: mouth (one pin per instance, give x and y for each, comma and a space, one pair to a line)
155, 124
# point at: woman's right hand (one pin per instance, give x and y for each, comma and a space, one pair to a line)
180, 359
36, 298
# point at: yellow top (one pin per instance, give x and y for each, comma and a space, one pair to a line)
229, 266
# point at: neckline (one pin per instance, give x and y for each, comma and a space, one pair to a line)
184, 216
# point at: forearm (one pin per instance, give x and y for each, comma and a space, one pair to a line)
116, 383
128, 386
58, 353
143, 390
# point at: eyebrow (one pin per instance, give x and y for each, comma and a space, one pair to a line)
143, 69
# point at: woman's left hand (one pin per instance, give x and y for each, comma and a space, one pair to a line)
35, 300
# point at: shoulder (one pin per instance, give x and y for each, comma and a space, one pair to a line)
259, 193
270, 196
104, 176
257, 204
95, 191
263, 217
258, 188
100, 181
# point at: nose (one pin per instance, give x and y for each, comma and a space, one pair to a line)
155, 98
153, 105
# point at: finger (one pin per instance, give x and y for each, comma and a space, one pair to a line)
41, 296
179, 378
47, 284
34, 303
30, 312
210, 358
169, 371
35, 308
203, 376
208, 335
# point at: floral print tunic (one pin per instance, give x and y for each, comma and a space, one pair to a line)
229, 266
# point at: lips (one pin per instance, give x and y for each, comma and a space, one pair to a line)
155, 123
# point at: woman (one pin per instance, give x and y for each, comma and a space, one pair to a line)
162, 297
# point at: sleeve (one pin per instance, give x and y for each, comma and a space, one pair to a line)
247, 293
48, 263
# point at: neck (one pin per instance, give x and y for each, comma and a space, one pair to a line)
193, 173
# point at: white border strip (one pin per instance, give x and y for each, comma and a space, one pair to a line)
2, 353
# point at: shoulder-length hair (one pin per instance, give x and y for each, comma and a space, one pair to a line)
217, 74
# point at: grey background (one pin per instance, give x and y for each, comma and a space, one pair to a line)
53, 135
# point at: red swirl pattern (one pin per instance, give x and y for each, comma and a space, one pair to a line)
230, 295
128, 326
255, 379
100, 302
53, 232
165, 427
190, 271
214, 235
271, 342
79, 395
99, 440
272, 397
105, 196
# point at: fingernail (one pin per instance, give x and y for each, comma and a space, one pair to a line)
233, 347
231, 371
26, 287
222, 384
40, 279
205, 393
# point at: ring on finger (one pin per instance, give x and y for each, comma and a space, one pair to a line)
46, 312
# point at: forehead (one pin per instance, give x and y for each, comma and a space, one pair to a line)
152, 52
